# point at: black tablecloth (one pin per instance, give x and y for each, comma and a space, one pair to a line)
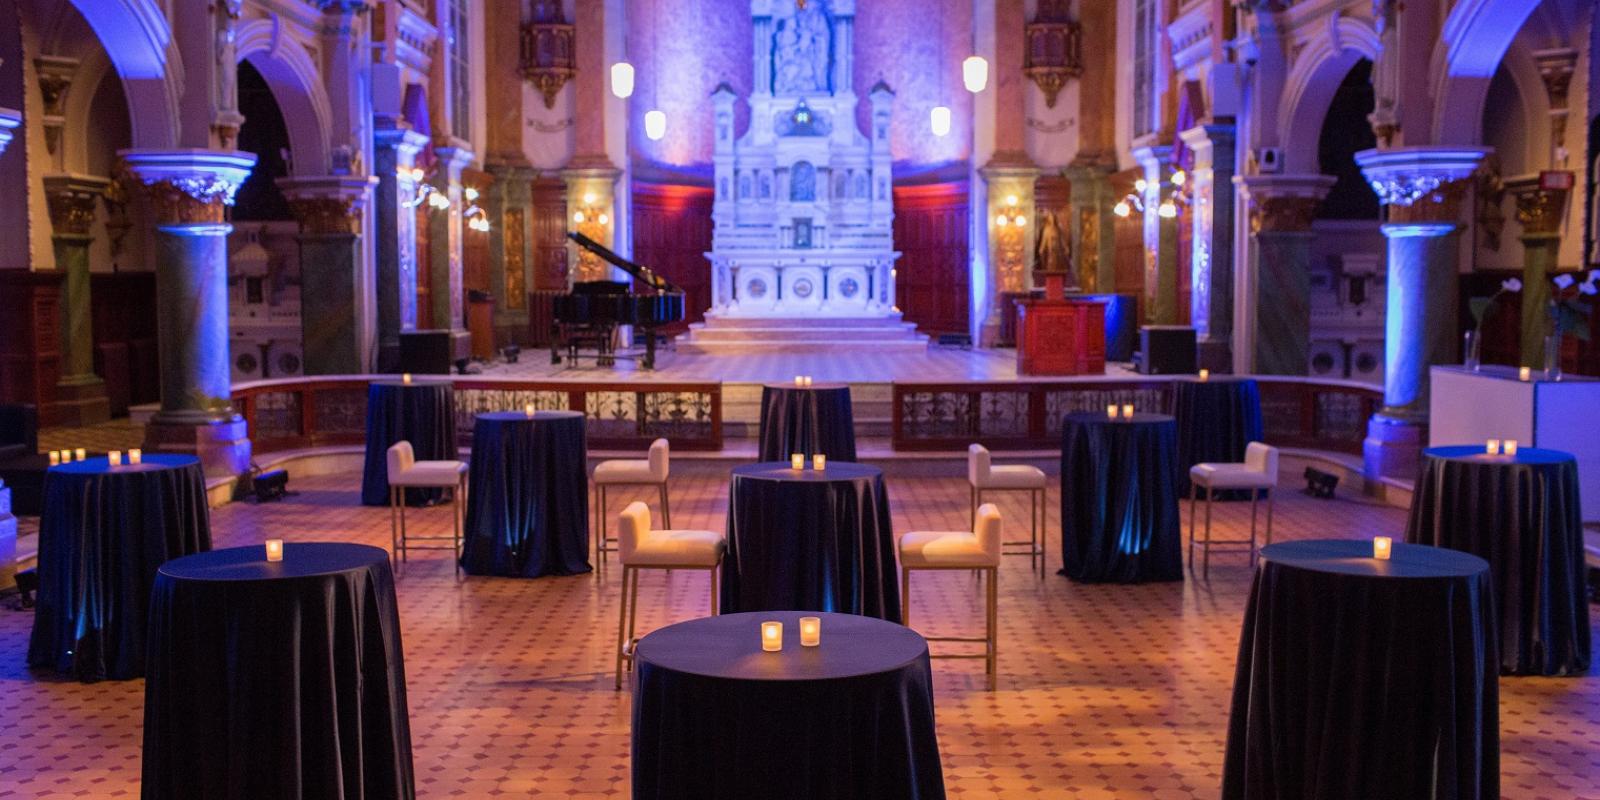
717, 718
810, 540
1521, 514
1217, 417
103, 533
1119, 502
527, 499
282, 679
810, 420
1360, 678
422, 413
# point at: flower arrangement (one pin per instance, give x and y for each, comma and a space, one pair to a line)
1569, 311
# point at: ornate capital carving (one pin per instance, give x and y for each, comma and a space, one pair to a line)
1540, 211
55, 78
189, 186
1421, 184
72, 201
1283, 203
327, 205
1555, 67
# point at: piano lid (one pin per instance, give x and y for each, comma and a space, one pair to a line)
639, 271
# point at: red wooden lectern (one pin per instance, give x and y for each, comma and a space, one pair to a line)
1057, 336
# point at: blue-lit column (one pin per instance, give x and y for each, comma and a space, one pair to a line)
1160, 235
1422, 187
448, 296
188, 192
395, 148
10, 120
1210, 187
1278, 263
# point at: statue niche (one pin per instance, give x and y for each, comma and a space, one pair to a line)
802, 182
802, 49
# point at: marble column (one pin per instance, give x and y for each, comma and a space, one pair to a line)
1210, 186
10, 120
80, 394
509, 204
444, 251
1422, 187
188, 191
1281, 209
1010, 247
395, 146
329, 212
1093, 246
1540, 212
1160, 238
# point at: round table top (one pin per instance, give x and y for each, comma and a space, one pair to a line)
1100, 418
790, 387
249, 563
414, 384
1354, 557
783, 471
1476, 454
151, 462
728, 647
522, 416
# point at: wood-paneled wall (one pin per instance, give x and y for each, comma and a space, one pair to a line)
30, 338
125, 346
671, 235
932, 278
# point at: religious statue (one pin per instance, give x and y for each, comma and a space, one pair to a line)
800, 55
225, 93
803, 183
1052, 251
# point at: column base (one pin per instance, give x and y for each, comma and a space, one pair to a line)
1215, 355
1393, 447
222, 445
8, 540
79, 402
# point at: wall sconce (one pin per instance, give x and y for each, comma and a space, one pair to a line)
622, 79
1011, 214
975, 73
655, 124
477, 219
939, 119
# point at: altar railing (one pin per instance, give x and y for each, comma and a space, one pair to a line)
1008, 415
326, 411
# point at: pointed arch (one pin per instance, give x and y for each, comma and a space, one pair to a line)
296, 86
139, 43
1312, 82
1474, 40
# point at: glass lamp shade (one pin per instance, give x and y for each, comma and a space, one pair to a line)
939, 119
622, 79
975, 73
655, 125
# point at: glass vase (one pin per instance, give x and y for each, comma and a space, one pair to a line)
1471, 350
1552, 357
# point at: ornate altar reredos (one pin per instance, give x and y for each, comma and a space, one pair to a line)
804, 205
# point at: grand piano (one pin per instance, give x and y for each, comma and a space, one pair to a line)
588, 316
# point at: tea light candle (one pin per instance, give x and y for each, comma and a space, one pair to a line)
1525, 374
1127, 411
114, 458
274, 549
799, 380
528, 409
1381, 546
1492, 447
1205, 374
797, 461
55, 457
1509, 448
81, 454
819, 461
808, 380
1111, 412
135, 456
406, 378
810, 631
772, 636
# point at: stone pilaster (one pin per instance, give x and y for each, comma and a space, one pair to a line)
1160, 238
1423, 189
189, 191
1540, 212
1009, 179
1282, 208
1210, 187
329, 212
395, 148
509, 204
445, 250
1093, 245
80, 394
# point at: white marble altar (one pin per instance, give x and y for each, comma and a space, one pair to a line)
803, 206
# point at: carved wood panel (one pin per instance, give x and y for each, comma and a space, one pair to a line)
930, 231
671, 235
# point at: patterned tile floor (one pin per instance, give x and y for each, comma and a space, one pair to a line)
1105, 691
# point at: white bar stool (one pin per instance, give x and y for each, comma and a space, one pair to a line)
984, 476
406, 472
640, 548
1258, 473
977, 550
651, 470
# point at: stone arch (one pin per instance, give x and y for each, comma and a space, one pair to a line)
95, 68
292, 76
1311, 84
1523, 70
139, 44
1474, 40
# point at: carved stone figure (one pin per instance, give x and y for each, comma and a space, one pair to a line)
801, 46
803, 183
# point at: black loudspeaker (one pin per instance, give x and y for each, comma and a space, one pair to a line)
426, 352
1167, 349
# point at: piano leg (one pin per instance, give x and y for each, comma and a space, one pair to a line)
649, 348
555, 344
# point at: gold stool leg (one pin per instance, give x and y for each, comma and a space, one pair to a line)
991, 625
905, 597
666, 506
1206, 571
622, 625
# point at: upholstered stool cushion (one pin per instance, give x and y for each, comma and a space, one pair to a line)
430, 473
944, 549
624, 471
1014, 476
678, 548
1230, 476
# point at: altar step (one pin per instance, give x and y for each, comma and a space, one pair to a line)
790, 334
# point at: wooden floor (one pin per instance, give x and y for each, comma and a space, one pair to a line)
1104, 691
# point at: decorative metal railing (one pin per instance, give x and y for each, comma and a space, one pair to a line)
1010, 415
327, 411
